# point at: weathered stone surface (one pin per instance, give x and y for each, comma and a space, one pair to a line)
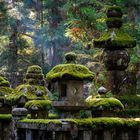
116, 59
19, 112
102, 90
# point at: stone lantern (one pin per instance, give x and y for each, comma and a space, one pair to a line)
69, 79
5, 90
115, 42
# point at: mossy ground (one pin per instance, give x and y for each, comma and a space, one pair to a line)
28, 91
76, 71
103, 103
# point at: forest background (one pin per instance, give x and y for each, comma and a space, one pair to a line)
40, 32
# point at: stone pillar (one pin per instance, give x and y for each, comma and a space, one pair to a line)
28, 134
62, 135
114, 41
125, 136
138, 134
17, 114
107, 135
87, 135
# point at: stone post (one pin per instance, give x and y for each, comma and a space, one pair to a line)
125, 136
17, 114
87, 135
116, 57
107, 135
139, 134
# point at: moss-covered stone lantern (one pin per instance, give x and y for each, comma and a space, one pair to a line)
69, 79
33, 94
103, 106
115, 42
5, 90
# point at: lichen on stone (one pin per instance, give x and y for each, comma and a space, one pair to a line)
75, 71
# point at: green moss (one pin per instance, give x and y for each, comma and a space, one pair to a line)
76, 71
104, 103
5, 90
113, 19
101, 122
40, 104
5, 117
4, 82
34, 76
53, 116
107, 122
34, 69
41, 121
115, 38
116, 8
28, 91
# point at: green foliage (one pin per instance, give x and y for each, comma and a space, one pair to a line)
76, 71
5, 117
27, 91
97, 103
40, 104
130, 101
41, 121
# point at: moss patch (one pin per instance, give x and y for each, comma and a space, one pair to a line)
53, 116
28, 91
34, 69
5, 90
76, 71
107, 122
5, 117
40, 104
115, 38
41, 121
104, 103
116, 8
4, 82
